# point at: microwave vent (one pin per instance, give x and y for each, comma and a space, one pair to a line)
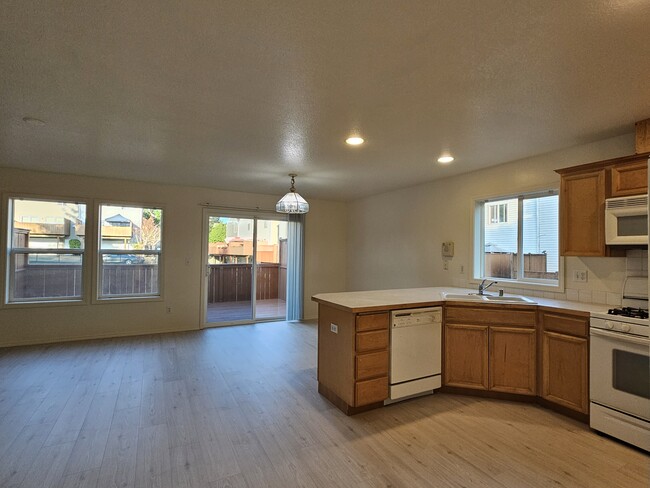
627, 202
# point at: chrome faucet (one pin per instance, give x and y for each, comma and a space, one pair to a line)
482, 287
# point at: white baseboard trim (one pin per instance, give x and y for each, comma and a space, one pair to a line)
90, 337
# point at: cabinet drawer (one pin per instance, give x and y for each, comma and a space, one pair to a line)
565, 324
371, 365
476, 315
371, 391
372, 321
372, 341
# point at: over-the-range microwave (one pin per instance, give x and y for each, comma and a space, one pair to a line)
626, 220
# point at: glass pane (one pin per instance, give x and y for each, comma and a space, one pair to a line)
631, 373
271, 270
230, 259
632, 225
39, 276
129, 275
130, 228
41, 224
541, 238
500, 239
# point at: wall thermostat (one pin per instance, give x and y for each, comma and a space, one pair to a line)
448, 249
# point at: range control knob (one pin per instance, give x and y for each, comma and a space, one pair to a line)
609, 324
625, 327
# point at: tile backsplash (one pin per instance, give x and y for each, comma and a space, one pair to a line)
636, 263
605, 285
605, 278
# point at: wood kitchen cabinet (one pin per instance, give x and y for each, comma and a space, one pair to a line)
629, 179
564, 360
642, 136
490, 348
353, 357
583, 190
466, 356
582, 214
512, 360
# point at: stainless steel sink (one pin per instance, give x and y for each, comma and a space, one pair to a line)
510, 299
465, 297
473, 297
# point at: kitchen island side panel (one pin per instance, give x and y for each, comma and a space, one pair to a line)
336, 352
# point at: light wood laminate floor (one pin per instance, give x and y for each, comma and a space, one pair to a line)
238, 407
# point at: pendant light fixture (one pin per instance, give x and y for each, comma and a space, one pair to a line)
292, 202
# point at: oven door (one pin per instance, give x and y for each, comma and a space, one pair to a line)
620, 372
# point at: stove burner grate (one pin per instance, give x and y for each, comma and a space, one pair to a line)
637, 313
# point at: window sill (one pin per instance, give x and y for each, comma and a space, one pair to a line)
123, 300
44, 303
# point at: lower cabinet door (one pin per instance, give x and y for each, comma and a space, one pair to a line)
466, 356
565, 379
512, 360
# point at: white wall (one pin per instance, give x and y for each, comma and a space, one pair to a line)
394, 238
324, 262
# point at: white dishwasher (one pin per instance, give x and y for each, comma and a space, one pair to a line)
415, 352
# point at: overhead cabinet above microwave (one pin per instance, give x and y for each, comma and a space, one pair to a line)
584, 190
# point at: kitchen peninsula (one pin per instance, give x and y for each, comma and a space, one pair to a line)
533, 351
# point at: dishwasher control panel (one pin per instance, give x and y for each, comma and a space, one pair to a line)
415, 316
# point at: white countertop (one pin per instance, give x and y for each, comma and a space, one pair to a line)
356, 301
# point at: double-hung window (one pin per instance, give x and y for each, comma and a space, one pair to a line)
46, 251
129, 251
517, 239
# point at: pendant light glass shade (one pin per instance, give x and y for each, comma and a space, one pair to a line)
292, 202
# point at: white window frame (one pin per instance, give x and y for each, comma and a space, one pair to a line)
478, 254
497, 212
141, 297
9, 264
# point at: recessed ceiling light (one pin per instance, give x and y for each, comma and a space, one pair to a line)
354, 140
33, 122
445, 159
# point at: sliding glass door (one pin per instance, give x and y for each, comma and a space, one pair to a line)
271, 269
245, 269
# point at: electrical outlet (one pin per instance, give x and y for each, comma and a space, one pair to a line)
580, 275
462, 269
334, 328
445, 265
169, 310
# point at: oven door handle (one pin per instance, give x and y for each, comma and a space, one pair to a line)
620, 337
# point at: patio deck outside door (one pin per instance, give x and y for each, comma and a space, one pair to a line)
245, 269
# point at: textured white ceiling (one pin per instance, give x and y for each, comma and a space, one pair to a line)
236, 94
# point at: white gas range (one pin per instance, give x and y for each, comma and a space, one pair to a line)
619, 371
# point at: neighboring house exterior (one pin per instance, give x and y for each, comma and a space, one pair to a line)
540, 228
238, 245
49, 225
119, 232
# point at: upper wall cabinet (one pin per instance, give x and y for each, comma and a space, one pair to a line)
643, 136
582, 214
583, 190
629, 179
